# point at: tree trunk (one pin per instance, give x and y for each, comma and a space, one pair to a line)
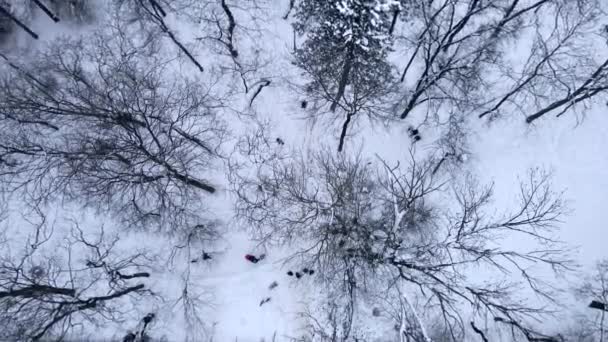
291, 4
344, 130
344, 77
395, 16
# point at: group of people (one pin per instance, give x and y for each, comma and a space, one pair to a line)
414, 133
298, 274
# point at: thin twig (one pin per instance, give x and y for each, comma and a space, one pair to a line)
265, 83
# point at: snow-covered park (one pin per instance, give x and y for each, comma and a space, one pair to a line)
303, 170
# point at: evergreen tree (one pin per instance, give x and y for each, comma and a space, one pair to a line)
345, 52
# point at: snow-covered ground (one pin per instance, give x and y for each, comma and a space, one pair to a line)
233, 287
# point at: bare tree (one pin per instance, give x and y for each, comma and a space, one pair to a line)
102, 121
226, 25
462, 49
21, 14
580, 329
356, 222
594, 290
78, 11
332, 321
457, 58
193, 299
152, 14
9, 17
108, 122
50, 287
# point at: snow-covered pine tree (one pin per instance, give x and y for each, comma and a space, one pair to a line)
344, 54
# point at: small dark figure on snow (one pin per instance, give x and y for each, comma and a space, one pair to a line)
308, 271
304, 104
264, 301
204, 256
148, 318
253, 258
298, 275
414, 133
280, 141
273, 285
290, 273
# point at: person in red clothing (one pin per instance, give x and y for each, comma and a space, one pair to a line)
253, 258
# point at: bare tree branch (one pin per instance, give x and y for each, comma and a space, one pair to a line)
355, 219
46, 11
7, 13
